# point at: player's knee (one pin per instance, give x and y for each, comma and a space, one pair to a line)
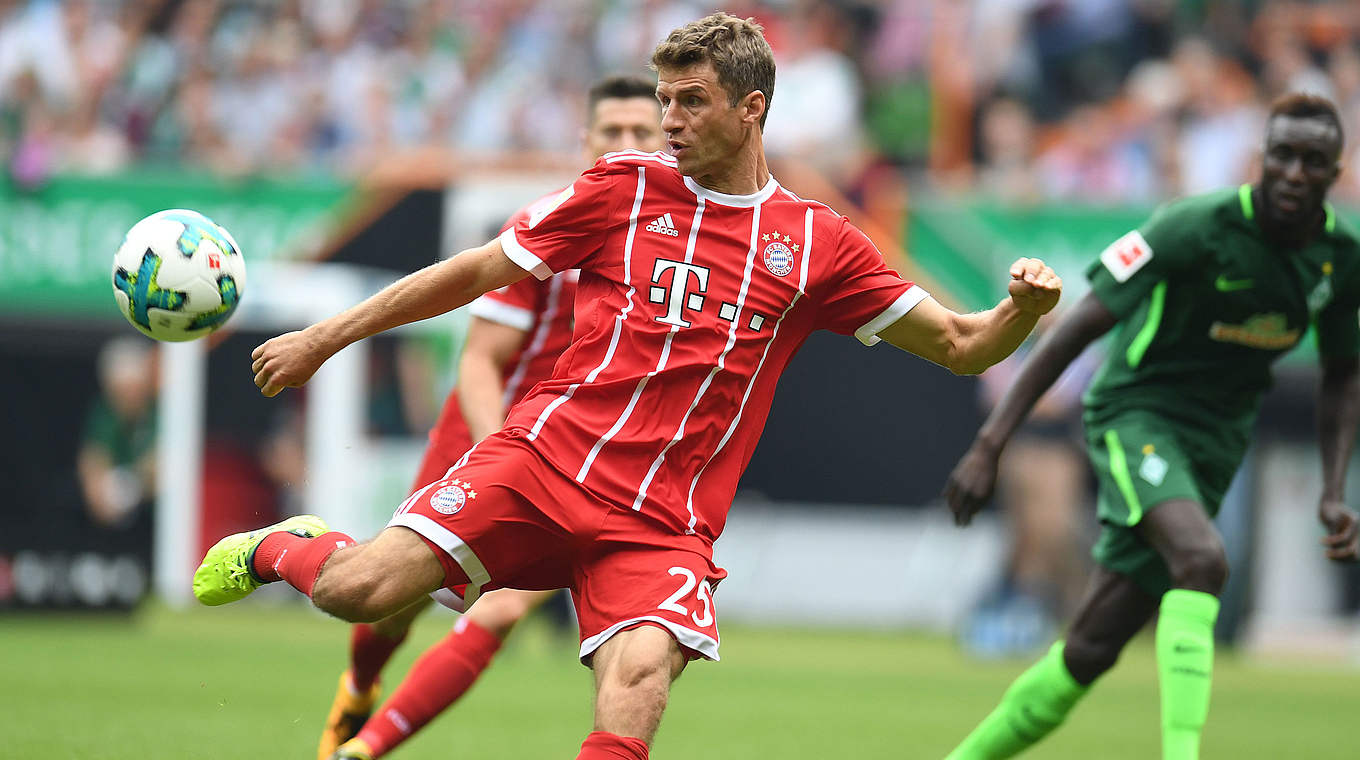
498, 612
1087, 658
641, 679
1203, 567
350, 594
639, 669
392, 626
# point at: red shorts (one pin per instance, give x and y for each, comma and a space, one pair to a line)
449, 440
505, 518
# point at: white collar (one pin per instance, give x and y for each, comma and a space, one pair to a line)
741, 201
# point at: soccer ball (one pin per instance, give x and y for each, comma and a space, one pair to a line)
178, 276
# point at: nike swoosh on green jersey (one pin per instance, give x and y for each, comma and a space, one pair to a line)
1223, 284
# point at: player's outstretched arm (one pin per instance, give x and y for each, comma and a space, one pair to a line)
967, 344
1338, 417
970, 484
291, 359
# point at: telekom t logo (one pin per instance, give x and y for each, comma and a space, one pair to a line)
677, 295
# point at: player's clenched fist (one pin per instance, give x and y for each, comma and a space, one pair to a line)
287, 361
1034, 286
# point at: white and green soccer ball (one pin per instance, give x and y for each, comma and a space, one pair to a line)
178, 275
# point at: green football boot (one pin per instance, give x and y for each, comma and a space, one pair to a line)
353, 749
226, 573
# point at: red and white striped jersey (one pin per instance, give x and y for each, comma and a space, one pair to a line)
690, 304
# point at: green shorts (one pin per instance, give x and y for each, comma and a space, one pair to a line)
1141, 461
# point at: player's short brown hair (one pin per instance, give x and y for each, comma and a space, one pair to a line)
735, 47
621, 86
1305, 105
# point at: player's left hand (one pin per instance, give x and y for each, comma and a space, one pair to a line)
1343, 539
1034, 286
1343, 531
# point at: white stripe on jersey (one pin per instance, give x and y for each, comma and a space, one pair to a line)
732, 428
722, 362
411, 500
531, 351
501, 313
631, 153
660, 363
618, 319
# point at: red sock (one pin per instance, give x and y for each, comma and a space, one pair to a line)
439, 677
369, 651
283, 556
602, 745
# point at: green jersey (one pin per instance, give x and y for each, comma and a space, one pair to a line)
1206, 304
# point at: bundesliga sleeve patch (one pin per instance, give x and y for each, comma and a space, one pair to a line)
1126, 256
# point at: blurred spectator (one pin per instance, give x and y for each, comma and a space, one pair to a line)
1221, 122
1007, 170
815, 113
1093, 161
116, 461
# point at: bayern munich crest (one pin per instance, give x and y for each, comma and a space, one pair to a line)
778, 256
450, 499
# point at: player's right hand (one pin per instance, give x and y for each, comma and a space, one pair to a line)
971, 483
1034, 286
287, 361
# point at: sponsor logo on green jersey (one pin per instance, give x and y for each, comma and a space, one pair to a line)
1265, 331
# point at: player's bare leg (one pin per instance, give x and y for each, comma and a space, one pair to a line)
371, 646
358, 583
1187, 541
372, 581
633, 674
446, 670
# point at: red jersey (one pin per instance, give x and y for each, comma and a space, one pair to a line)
543, 310
691, 303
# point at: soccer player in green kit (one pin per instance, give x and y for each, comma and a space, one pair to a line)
1203, 298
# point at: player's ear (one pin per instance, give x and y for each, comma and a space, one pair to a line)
752, 107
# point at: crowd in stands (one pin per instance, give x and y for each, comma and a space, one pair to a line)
1106, 101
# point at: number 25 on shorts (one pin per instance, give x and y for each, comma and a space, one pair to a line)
704, 595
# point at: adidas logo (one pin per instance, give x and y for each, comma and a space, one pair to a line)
663, 225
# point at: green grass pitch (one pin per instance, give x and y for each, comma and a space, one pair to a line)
254, 681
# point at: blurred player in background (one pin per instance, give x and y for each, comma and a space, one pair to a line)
117, 458
513, 341
700, 279
1206, 295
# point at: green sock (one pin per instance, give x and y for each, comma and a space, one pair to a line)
1032, 707
1185, 668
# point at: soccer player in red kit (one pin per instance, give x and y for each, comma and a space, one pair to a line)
700, 278
513, 341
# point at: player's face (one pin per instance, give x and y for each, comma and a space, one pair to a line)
1299, 167
703, 129
624, 124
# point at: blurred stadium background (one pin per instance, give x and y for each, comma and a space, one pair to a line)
346, 142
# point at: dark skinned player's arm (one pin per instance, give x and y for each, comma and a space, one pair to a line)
1338, 418
972, 481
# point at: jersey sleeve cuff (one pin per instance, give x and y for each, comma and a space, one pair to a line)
521, 256
868, 334
502, 313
